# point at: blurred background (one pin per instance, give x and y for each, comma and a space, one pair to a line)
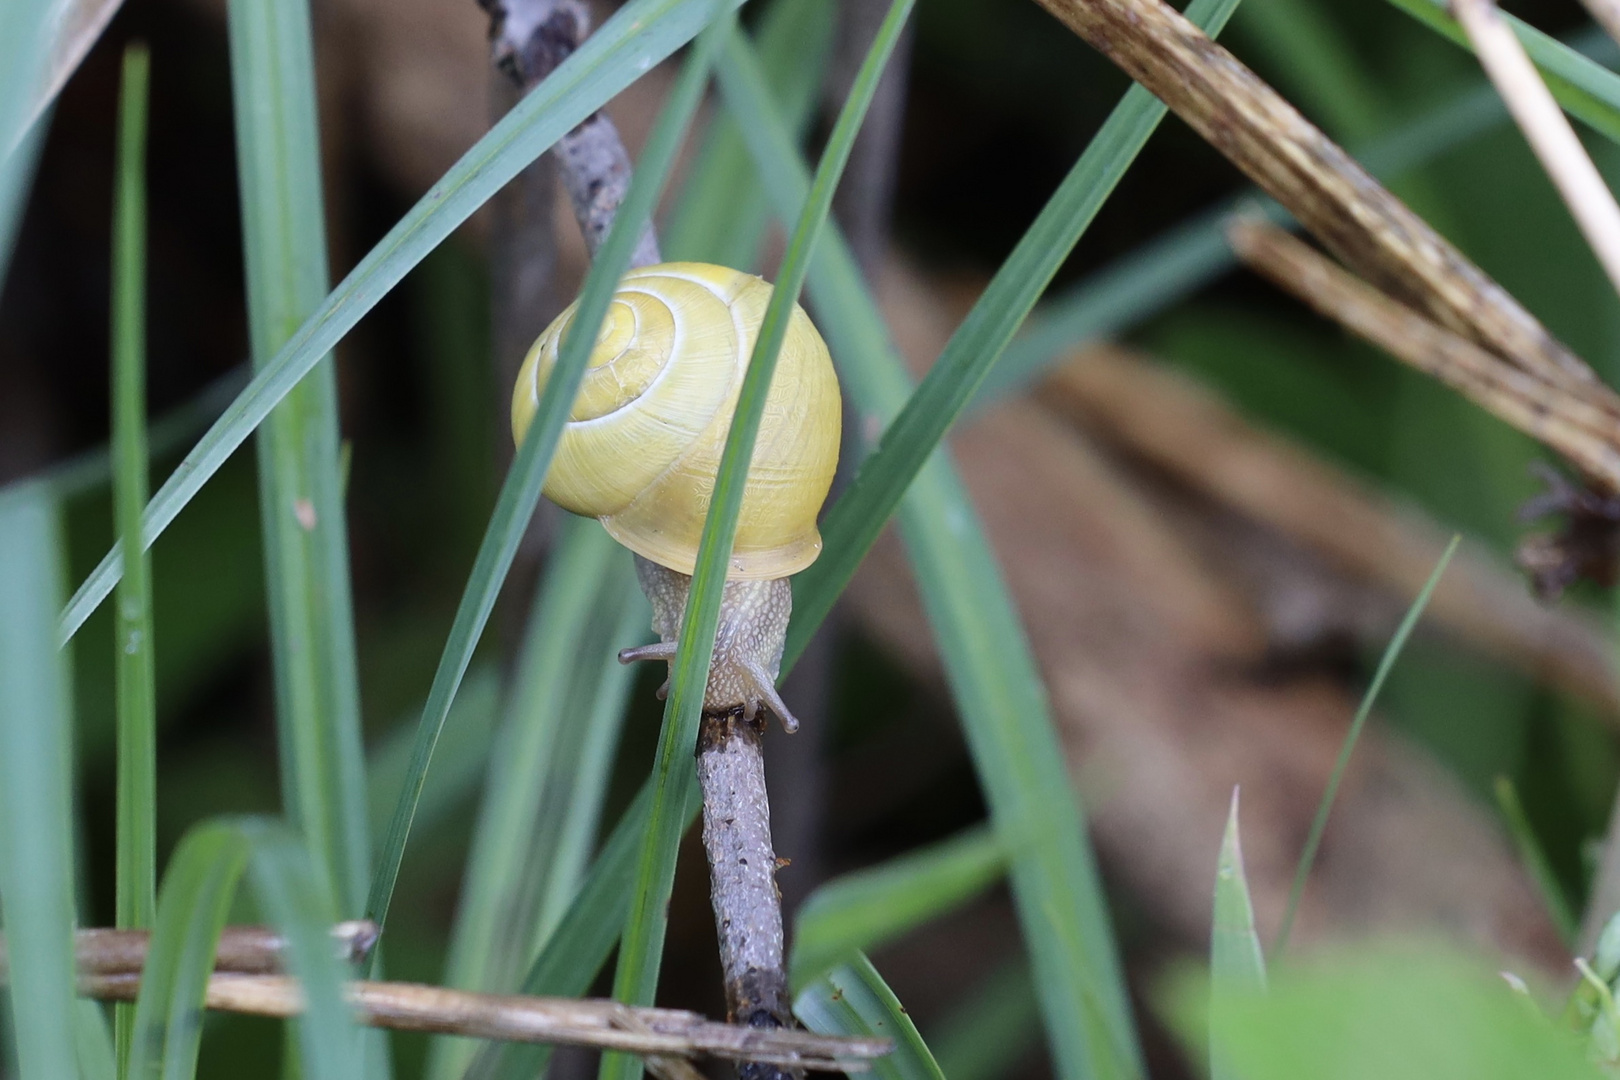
1212, 522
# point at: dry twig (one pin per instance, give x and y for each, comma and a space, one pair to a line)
242, 949
1571, 423
1321, 185
1545, 128
606, 1025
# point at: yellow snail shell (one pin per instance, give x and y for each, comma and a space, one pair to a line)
642, 444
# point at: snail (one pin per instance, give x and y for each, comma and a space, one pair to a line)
642, 446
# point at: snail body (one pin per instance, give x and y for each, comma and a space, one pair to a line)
642, 447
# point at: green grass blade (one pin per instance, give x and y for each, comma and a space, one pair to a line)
1392, 652
853, 523
547, 770
16, 181
986, 657
852, 999
722, 213
521, 489
1586, 90
98, 1057
136, 855
322, 764
1534, 860
459, 762
862, 910
25, 28
36, 813
198, 887
639, 35
984, 1037
1236, 963
636, 979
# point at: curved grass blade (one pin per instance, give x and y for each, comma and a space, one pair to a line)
636, 979
722, 213
986, 657
36, 827
639, 35
198, 887
459, 762
1236, 964
322, 764
1534, 861
521, 489
547, 771
852, 999
135, 884
854, 521
1392, 652
864, 909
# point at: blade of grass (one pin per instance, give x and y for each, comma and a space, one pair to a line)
854, 521
862, 910
639, 35
97, 1056
25, 29
459, 762
198, 888
1236, 963
136, 855
1535, 861
636, 978
1313, 839
546, 773
36, 813
521, 489
986, 657
322, 763
722, 213
985, 1036
853, 999
16, 181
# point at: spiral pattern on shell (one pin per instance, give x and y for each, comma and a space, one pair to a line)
643, 441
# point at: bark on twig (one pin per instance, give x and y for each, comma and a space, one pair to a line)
242, 949
1320, 184
529, 38
1545, 129
1568, 422
606, 1025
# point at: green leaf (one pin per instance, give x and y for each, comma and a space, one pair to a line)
198, 887
98, 1057
853, 1000
636, 979
322, 762
722, 213
1236, 963
136, 844
26, 27
1586, 90
36, 813
869, 907
986, 658
1392, 652
521, 489
459, 762
548, 770
639, 35
854, 521
1383, 1015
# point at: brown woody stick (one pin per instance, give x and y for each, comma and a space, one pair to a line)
1550, 413
1321, 185
606, 1025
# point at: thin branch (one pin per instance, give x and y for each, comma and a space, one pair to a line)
1321, 185
605, 1025
1546, 129
1564, 421
242, 949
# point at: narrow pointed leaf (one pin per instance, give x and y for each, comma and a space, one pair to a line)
853, 1000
